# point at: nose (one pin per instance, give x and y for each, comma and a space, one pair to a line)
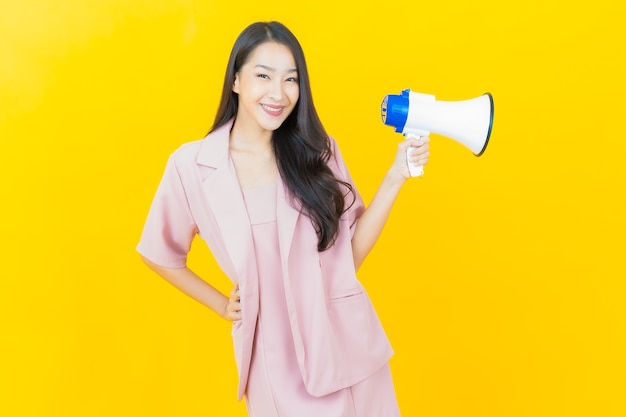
276, 90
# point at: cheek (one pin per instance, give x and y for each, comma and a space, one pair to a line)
293, 93
250, 93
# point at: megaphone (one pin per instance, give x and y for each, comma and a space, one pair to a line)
415, 114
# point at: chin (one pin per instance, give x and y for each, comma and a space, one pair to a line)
272, 125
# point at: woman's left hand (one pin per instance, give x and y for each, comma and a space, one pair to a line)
417, 156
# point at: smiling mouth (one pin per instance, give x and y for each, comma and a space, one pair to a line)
272, 109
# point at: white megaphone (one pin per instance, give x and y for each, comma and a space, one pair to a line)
414, 114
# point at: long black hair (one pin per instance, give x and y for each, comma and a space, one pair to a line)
301, 146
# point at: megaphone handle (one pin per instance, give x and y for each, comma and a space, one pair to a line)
414, 170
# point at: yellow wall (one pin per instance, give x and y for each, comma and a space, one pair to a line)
500, 279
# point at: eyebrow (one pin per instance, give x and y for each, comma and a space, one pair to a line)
274, 69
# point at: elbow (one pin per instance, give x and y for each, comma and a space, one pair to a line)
146, 261
153, 266
160, 269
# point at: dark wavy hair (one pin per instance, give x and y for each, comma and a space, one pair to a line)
301, 146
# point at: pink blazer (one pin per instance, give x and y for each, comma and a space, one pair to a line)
338, 337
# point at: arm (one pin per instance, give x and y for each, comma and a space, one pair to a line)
370, 225
191, 284
166, 238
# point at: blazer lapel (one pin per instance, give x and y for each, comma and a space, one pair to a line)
224, 197
226, 201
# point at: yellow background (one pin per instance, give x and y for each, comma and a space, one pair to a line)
499, 279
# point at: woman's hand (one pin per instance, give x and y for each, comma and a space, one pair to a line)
232, 311
417, 156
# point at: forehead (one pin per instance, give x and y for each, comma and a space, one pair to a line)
274, 55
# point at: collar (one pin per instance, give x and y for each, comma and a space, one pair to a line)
214, 150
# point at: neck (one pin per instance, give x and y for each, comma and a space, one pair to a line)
246, 139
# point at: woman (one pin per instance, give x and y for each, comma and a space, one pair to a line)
268, 191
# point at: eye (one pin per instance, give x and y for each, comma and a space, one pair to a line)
267, 77
292, 79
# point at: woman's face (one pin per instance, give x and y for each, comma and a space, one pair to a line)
268, 87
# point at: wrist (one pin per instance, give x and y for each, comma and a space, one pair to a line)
224, 311
395, 178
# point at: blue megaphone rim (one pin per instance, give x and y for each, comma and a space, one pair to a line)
395, 110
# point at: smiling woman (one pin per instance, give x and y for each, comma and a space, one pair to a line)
269, 192
499, 280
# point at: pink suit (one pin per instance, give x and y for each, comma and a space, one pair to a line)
337, 337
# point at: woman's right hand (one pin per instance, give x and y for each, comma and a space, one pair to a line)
233, 307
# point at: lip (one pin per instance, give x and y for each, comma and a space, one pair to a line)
273, 110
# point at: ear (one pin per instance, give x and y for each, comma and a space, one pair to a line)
236, 84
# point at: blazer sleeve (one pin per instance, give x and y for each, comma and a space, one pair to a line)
353, 200
170, 227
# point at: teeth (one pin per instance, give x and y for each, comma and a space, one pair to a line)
272, 109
